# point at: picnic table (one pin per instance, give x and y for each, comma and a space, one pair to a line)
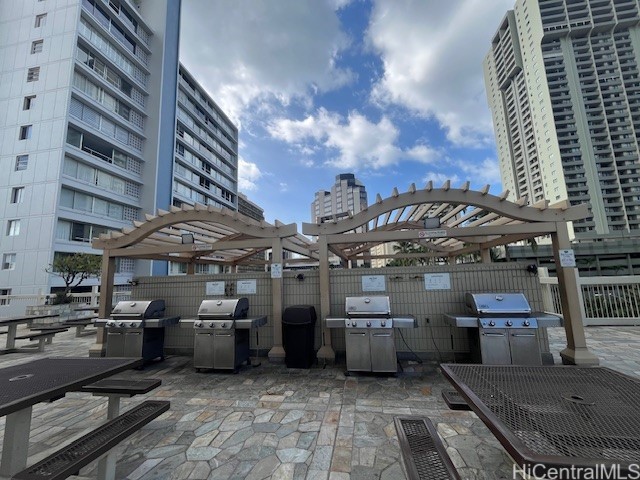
557, 417
47, 379
12, 324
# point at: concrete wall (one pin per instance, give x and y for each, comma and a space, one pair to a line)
405, 286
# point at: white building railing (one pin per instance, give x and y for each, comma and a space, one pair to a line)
16, 304
603, 300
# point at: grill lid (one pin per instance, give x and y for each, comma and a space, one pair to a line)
221, 309
375, 306
138, 309
487, 304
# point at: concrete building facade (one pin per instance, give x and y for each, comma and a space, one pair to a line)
563, 85
347, 194
90, 95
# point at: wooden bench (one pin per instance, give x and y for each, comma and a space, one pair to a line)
424, 454
57, 328
42, 337
78, 454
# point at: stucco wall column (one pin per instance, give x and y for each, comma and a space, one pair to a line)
326, 353
106, 297
576, 352
277, 353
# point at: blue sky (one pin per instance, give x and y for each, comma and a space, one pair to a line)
391, 90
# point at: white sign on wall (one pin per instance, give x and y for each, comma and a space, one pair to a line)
373, 283
214, 288
276, 270
437, 281
567, 258
246, 287
432, 233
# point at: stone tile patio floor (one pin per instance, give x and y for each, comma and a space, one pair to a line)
274, 422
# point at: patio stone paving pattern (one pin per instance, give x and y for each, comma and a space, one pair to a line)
274, 422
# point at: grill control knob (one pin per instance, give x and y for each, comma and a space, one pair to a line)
354, 324
509, 323
526, 323
492, 323
368, 324
212, 325
121, 324
132, 324
383, 323
223, 325
199, 324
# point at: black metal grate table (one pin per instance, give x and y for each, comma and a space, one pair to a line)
556, 416
24, 385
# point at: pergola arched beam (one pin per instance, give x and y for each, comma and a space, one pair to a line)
452, 197
182, 217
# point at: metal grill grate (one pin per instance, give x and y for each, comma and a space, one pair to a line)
83, 451
576, 412
424, 455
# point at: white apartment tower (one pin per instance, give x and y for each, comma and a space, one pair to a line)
563, 84
347, 195
89, 98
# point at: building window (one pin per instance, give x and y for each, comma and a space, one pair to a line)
25, 132
21, 162
27, 104
36, 46
9, 261
13, 228
40, 20
4, 292
17, 194
33, 74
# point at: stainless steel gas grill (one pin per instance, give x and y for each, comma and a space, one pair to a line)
221, 333
503, 329
369, 334
136, 329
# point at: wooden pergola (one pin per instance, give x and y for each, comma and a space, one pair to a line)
450, 222
200, 235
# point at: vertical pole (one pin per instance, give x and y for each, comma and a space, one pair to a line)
326, 353
106, 297
485, 255
16, 442
576, 352
277, 353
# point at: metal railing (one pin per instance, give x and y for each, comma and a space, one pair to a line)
17, 304
603, 300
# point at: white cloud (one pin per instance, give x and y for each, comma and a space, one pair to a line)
432, 53
248, 175
438, 179
250, 54
358, 143
485, 172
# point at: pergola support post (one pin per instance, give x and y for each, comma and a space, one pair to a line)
485, 255
326, 353
576, 352
277, 353
106, 297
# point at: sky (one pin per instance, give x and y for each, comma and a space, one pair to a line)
390, 90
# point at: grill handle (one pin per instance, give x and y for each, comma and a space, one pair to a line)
381, 334
357, 333
493, 334
523, 334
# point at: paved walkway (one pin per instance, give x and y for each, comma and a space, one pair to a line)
273, 422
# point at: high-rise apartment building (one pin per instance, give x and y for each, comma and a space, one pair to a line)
99, 125
347, 195
563, 84
206, 149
